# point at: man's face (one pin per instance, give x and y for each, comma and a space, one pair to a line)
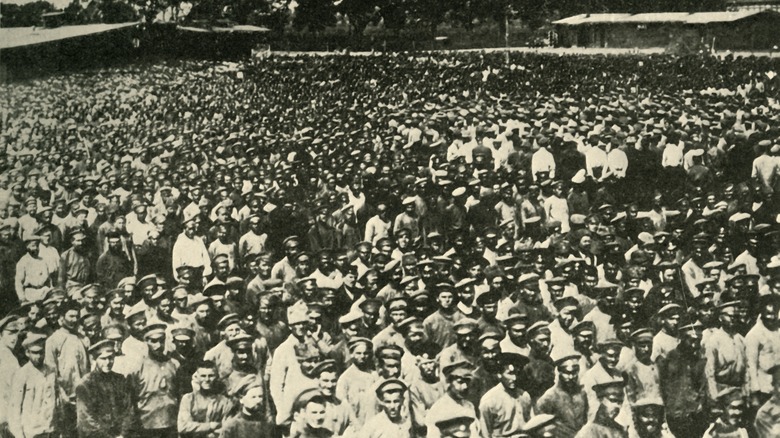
390, 368
508, 376
361, 356
243, 355
35, 355
643, 348
769, 316
428, 369
610, 358
445, 300
569, 373
459, 387
583, 340
253, 400
691, 340
612, 400
298, 330
202, 313
104, 362
32, 248
327, 383
314, 415
516, 332
566, 316
70, 319
540, 341
391, 404
648, 421
207, 378
156, 344
735, 413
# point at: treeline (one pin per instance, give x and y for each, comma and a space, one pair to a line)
317, 15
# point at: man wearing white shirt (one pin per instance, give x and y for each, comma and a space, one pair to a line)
542, 160
189, 249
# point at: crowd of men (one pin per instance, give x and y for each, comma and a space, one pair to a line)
440, 245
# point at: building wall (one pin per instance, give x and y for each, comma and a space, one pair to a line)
754, 33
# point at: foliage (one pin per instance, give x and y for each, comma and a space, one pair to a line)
314, 15
26, 15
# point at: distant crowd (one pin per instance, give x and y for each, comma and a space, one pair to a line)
393, 246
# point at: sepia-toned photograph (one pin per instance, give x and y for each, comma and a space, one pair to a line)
389, 219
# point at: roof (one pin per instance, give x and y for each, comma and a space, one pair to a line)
662, 17
12, 37
236, 28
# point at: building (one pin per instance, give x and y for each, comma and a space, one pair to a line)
752, 5
732, 30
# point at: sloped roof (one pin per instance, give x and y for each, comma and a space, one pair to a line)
11, 37
662, 17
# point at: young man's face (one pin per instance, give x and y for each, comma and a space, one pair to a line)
104, 362
459, 386
643, 349
207, 378
445, 300
360, 355
35, 355
327, 382
612, 400
70, 319
508, 377
569, 373
314, 415
253, 400
390, 368
391, 404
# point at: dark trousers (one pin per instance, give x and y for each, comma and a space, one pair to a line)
168, 432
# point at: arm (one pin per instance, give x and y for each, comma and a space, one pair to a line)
186, 424
19, 281
277, 377
752, 348
63, 274
709, 369
486, 422
16, 398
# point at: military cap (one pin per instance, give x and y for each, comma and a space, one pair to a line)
468, 281
102, 347
370, 305
537, 422
602, 387
583, 327
10, 323
516, 314
182, 334
389, 351
610, 344
197, 300
642, 333
518, 360
420, 295
648, 402
397, 303
727, 305
465, 325
138, 309
528, 277
324, 366
154, 330
34, 339
489, 297
459, 419
564, 302
149, 280
669, 308
354, 342
458, 368
351, 317
537, 326
312, 395
389, 386
562, 355
490, 333
242, 340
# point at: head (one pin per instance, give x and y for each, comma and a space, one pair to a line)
648, 419
253, 399
611, 399
206, 376
569, 373
391, 402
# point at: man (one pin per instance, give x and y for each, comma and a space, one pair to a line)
243, 370
456, 424
309, 411
666, 339
505, 408
464, 348
762, 348
560, 328
285, 369
601, 315
730, 422
390, 422
724, 351
33, 275
605, 370
203, 411
767, 423
516, 340
683, 384
648, 414
458, 377
33, 400
610, 400
439, 325
103, 399
250, 421
642, 377
9, 364
338, 415
113, 265
66, 354
76, 265
567, 399
540, 370
189, 249
153, 386
426, 388
353, 385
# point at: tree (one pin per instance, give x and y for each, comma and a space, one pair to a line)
430, 13
314, 15
394, 14
112, 11
360, 13
149, 9
26, 15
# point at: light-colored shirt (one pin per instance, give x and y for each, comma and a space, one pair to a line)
190, 252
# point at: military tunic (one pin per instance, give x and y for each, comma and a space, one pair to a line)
502, 414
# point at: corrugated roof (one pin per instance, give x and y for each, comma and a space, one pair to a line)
662, 17
236, 28
27, 36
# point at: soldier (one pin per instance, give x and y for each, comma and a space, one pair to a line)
507, 406
9, 364
567, 399
648, 414
642, 376
354, 383
203, 411
33, 275
390, 422
425, 389
611, 395
458, 376
767, 423
33, 404
104, 399
338, 415
439, 325
154, 387
730, 422
456, 424
724, 350
251, 421
66, 354
762, 349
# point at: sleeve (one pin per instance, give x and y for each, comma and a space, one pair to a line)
128, 420
63, 274
277, 376
418, 409
486, 420
176, 259
19, 280
85, 408
709, 369
186, 424
752, 347
16, 397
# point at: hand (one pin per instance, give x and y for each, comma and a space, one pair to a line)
214, 426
